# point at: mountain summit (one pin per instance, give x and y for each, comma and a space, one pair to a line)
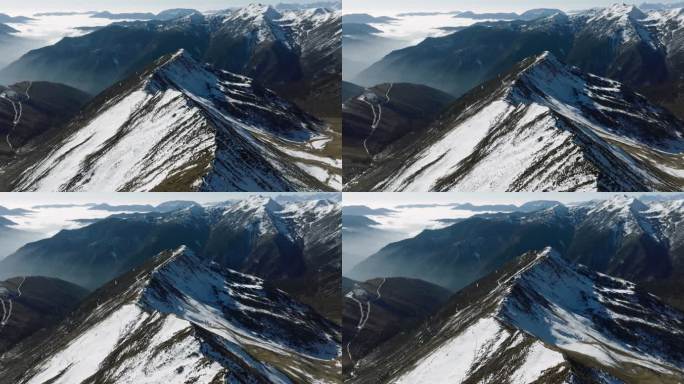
182, 318
539, 319
181, 125
541, 126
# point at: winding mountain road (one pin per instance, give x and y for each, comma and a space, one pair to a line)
364, 319
7, 310
18, 112
376, 117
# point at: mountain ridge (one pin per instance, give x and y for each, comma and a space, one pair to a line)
580, 132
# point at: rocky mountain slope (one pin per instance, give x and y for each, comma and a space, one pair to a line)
297, 52
30, 109
538, 319
378, 309
295, 245
541, 126
624, 237
381, 116
11, 44
31, 304
350, 90
181, 318
362, 238
193, 128
12, 238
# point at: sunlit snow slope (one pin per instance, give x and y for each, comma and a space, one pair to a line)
181, 125
543, 126
183, 319
540, 319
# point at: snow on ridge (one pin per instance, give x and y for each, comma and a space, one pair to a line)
619, 11
230, 304
559, 304
181, 94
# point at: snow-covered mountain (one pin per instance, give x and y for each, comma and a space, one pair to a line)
295, 52
621, 236
541, 126
295, 245
640, 48
539, 319
182, 318
181, 125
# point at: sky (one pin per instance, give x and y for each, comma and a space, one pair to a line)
29, 199
388, 7
389, 200
29, 7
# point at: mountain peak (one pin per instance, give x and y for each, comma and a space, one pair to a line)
259, 202
258, 11
623, 203
181, 56
544, 59
619, 10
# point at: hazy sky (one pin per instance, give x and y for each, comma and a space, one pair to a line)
16, 200
396, 6
28, 7
393, 199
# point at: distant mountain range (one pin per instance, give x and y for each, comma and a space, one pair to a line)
294, 244
531, 14
622, 237
4, 18
168, 14
620, 42
364, 18
297, 52
12, 238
